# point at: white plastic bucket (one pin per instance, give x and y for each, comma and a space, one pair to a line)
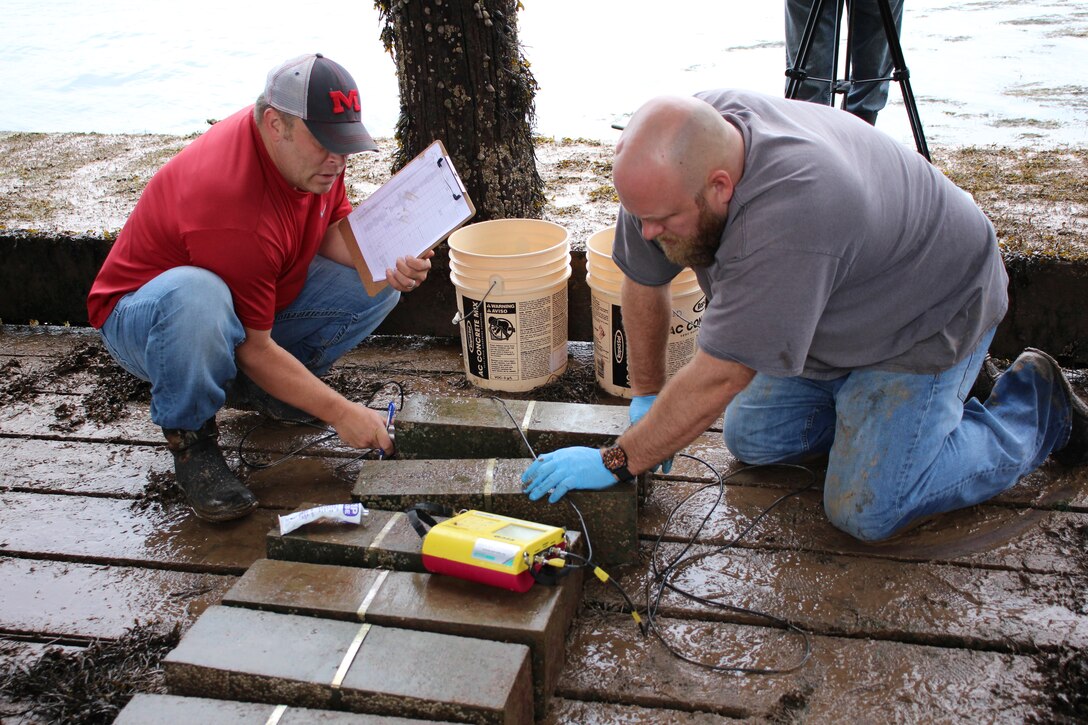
609, 337
511, 281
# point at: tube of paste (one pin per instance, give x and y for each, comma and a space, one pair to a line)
348, 513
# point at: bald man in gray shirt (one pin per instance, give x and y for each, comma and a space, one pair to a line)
853, 292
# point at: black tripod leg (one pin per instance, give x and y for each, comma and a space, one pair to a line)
902, 75
796, 72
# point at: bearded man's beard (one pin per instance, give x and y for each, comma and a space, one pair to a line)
699, 250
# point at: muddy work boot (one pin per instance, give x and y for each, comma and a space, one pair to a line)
244, 394
211, 488
984, 383
1075, 452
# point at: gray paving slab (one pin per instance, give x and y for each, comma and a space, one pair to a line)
538, 618
233, 653
494, 485
434, 427
385, 539
149, 709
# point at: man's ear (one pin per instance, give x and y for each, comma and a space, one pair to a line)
274, 122
721, 187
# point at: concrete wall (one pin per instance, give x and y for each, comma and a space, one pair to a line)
47, 277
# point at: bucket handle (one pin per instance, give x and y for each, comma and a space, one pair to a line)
458, 318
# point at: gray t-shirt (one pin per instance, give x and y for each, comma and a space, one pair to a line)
842, 250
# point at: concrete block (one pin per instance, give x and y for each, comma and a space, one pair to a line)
494, 485
433, 427
538, 618
241, 654
148, 709
384, 540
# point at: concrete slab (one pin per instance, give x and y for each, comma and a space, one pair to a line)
232, 653
854, 596
430, 427
494, 485
846, 679
986, 535
565, 711
538, 618
147, 709
76, 602
113, 531
384, 540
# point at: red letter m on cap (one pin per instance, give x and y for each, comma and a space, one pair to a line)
339, 100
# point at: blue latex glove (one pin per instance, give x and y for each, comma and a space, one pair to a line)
640, 405
565, 470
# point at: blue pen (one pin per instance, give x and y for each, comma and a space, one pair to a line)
388, 426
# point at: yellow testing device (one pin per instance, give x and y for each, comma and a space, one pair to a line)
489, 548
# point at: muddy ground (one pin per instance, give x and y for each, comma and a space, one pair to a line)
90, 685
1037, 199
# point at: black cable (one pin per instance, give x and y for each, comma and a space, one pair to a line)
605, 577
525, 439
660, 580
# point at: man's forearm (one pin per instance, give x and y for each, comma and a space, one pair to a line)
686, 407
283, 377
646, 312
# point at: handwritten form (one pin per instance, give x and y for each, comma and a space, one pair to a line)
412, 212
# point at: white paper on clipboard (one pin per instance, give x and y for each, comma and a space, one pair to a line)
412, 212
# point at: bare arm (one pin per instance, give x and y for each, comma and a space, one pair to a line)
646, 312
686, 407
282, 376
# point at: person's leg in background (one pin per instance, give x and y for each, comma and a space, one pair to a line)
821, 52
870, 56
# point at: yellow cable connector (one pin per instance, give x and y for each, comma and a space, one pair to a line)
556, 562
638, 619
600, 573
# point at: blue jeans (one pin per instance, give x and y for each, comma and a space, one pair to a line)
179, 332
902, 446
869, 53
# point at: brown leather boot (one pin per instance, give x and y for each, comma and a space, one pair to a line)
211, 488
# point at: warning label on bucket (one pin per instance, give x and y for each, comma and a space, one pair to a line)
610, 351
515, 345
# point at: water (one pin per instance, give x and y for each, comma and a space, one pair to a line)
1007, 72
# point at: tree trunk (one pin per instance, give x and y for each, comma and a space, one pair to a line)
463, 81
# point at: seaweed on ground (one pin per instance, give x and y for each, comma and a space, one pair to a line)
1066, 687
92, 685
111, 386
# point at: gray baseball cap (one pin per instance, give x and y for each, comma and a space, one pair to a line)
324, 95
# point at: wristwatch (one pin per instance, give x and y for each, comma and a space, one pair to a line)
615, 460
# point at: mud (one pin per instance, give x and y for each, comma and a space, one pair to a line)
91, 685
111, 387
1066, 677
161, 494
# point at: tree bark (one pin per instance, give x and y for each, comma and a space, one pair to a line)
464, 81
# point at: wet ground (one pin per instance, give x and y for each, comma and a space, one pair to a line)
981, 615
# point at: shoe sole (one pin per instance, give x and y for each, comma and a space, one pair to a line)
221, 516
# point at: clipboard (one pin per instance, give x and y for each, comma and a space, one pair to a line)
408, 215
